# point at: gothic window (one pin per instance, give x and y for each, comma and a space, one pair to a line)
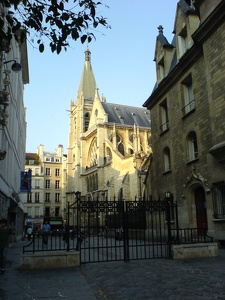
86, 121
92, 157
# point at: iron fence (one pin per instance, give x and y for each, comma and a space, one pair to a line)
120, 230
52, 242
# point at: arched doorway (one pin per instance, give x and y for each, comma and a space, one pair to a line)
201, 212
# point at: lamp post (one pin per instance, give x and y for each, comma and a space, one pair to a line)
77, 198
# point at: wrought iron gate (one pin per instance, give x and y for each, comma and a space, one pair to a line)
125, 230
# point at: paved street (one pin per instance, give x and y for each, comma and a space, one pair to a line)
143, 279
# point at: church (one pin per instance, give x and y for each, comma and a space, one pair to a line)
109, 150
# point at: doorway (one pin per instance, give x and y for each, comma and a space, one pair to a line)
201, 212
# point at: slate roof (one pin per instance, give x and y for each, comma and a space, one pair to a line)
185, 7
163, 40
127, 115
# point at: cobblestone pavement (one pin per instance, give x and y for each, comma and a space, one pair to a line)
190, 279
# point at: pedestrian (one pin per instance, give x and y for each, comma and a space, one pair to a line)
29, 233
46, 231
5, 234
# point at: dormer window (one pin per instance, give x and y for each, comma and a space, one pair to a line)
161, 69
183, 41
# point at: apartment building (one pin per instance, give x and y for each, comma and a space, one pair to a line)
47, 200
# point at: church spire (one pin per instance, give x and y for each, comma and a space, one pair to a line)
87, 55
87, 84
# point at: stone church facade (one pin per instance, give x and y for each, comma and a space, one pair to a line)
188, 116
109, 152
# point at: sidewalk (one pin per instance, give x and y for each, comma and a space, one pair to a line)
16, 284
153, 279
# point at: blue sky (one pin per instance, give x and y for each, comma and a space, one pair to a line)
122, 61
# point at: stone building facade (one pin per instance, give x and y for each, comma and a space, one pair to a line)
14, 75
47, 198
188, 115
109, 151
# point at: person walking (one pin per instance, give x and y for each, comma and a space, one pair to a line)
46, 231
29, 233
6, 233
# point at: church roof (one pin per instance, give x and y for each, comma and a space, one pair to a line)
87, 83
127, 115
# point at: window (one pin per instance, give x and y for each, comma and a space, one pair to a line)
47, 211
183, 41
192, 146
56, 172
86, 121
36, 211
37, 183
92, 155
47, 184
188, 95
47, 197
161, 69
47, 172
48, 159
219, 200
57, 212
37, 196
57, 160
37, 171
164, 116
57, 184
31, 162
29, 197
167, 163
57, 197
29, 210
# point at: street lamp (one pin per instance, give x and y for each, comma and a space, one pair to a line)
16, 67
78, 195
